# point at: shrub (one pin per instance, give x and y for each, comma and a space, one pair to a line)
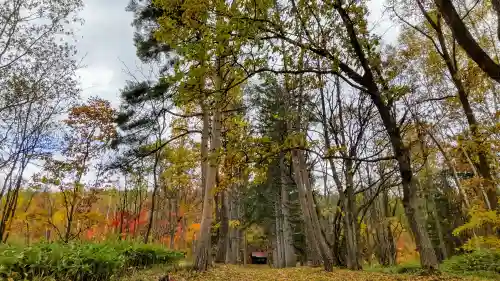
80, 261
477, 261
141, 255
411, 267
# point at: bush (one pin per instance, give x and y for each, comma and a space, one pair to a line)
477, 261
147, 255
80, 261
412, 267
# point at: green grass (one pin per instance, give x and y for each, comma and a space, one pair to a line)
412, 267
80, 261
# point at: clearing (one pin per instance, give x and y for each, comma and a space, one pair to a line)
264, 273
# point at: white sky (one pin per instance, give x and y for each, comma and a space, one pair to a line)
105, 42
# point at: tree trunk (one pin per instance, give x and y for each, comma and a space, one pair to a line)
351, 221
222, 243
431, 205
205, 135
385, 249
278, 258
172, 222
411, 205
203, 248
483, 164
289, 257
153, 198
245, 248
371, 83
233, 247
311, 221
347, 196
466, 40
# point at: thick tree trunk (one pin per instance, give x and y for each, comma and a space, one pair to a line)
416, 219
284, 254
312, 225
289, 257
222, 243
411, 205
278, 257
439, 229
233, 247
203, 248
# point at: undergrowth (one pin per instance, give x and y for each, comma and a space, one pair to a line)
80, 261
482, 263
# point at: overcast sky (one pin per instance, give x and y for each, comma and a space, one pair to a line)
105, 39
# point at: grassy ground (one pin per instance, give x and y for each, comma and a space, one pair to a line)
264, 273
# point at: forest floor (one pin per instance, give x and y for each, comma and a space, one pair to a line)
265, 273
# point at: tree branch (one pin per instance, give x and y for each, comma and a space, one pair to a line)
466, 40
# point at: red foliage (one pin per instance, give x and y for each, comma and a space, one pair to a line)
90, 233
130, 221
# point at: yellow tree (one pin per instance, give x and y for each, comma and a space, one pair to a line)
206, 72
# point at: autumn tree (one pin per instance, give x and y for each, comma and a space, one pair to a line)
90, 129
469, 81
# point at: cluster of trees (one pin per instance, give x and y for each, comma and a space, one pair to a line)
285, 121
328, 139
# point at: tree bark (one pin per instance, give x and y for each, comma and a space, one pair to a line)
278, 257
222, 243
233, 247
290, 259
203, 248
311, 221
